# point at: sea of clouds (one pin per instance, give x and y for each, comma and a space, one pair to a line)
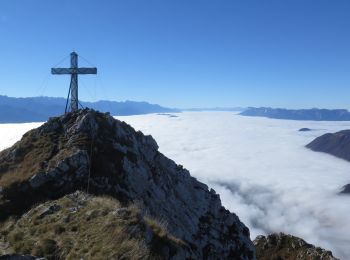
260, 168
262, 171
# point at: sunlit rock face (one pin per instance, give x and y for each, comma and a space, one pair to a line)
91, 151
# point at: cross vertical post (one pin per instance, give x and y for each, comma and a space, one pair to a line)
74, 70
74, 101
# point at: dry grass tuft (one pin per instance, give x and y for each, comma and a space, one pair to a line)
86, 227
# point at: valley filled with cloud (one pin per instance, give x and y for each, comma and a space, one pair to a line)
260, 168
262, 171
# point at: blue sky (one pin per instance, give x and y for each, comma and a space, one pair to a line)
183, 53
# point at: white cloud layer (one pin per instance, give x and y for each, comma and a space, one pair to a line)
11, 133
262, 171
259, 167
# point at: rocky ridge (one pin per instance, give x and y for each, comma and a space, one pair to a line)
305, 129
299, 114
337, 144
345, 189
93, 152
286, 247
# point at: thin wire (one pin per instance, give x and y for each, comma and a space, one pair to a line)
65, 110
90, 162
93, 92
95, 85
42, 87
86, 60
104, 97
58, 63
82, 83
80, 104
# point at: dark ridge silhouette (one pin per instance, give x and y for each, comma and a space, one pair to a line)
314, 114
337, 144
305, 129
233, 109
38, 109
345, 189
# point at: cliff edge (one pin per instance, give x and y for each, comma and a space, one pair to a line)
95, 153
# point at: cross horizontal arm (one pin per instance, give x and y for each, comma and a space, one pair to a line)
73, 71
87, 71
61, 71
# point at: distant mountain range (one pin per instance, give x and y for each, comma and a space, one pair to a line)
299, 114
37, 109
216, 109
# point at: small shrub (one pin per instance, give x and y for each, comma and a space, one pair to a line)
74, 229
16, 237
58, 229
47, 248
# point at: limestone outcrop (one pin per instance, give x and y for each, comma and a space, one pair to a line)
93, 152
286, 247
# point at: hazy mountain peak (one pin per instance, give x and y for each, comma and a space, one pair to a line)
39, 109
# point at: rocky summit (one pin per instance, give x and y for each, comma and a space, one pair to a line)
337, 144
153, 202
279, 246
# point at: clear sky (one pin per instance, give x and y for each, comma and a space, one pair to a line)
182, 53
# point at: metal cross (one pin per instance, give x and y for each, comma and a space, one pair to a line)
73, 71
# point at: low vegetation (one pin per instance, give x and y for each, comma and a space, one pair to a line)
38, 151
82, 226
280, 246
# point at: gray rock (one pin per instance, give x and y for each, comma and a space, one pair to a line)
283, 246
50, 210
336, 144
19, 257
109, 157
38, 180
304, 129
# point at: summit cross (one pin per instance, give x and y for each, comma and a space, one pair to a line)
74, 70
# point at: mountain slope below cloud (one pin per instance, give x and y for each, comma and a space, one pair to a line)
337, 144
